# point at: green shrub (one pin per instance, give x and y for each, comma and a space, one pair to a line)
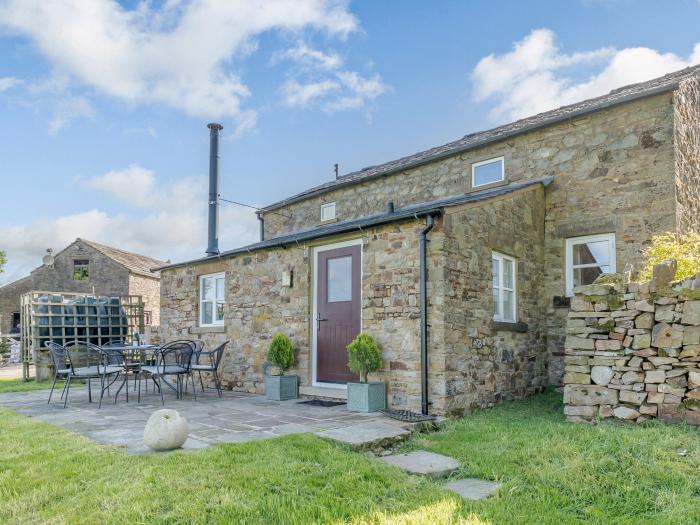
684, 248
364, 356
281, 352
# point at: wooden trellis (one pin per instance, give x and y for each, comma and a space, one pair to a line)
64, 317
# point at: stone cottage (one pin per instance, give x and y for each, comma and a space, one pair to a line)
460, 260
87, 267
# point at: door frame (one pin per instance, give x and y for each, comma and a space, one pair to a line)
314, 292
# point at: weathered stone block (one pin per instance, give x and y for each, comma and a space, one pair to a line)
589, 395
664, 335
595, 289
636, 398
694, 379
655, 397
577, 378
649, 410
655, 376
643, 306
623, 412
579, 343
645, 320
585, 411
641, 341
691, 313
632, 377
689, 351
658, 361
601, 375
607, 345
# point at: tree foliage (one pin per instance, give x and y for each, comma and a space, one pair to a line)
364, 356
281, 352
3, 260
684, 248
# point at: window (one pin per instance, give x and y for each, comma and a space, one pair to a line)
328, 211
147, 317
81, 271
211, 300
487, 172
587, 258
503, 268
339, 286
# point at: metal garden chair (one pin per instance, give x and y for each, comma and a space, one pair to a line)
172, 359
91, 362
61, 368
209, 362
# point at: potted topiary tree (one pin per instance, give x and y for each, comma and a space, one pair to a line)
364, 357
281, 354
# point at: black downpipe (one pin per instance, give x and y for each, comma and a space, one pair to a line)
262, 225
429, 223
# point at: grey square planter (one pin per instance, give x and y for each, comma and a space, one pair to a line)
366, 397
279, 388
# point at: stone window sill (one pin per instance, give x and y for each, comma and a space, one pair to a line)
208, 330
509, 327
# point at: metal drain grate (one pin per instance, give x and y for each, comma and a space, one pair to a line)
321, 403
408, 416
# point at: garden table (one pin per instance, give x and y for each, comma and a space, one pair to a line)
135, 356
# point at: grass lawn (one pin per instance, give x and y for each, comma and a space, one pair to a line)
552, 471
20, 385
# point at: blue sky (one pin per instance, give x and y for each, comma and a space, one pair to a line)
104, 105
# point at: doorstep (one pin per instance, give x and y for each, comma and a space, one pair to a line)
319, 391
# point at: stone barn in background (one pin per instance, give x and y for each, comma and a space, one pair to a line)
87, 267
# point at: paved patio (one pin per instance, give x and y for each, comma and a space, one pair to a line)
235, 418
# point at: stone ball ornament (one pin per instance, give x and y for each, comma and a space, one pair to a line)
166, 429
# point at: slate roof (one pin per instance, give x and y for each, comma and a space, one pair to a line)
413, 211
473, 140
135, 263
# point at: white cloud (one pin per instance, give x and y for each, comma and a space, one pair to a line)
8, 82
173, 226
134, 184
67, 109
325, 81
536, 75
179, 54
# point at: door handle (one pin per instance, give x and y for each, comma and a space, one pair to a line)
318, 321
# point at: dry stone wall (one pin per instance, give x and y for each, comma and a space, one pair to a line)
633, 351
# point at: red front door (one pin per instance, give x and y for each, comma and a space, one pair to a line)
337, 320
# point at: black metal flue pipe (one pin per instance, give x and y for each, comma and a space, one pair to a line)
423, 241
213, 231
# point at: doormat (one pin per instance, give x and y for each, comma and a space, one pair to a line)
407, 416
321, 403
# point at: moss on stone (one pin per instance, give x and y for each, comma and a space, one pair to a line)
608, 325
610, 278
689, 404
613, 300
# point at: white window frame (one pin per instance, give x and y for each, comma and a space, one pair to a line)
502, 257
571, 241
328, 206
489, 161
215, 276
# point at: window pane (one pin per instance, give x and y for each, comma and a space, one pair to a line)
592, 252
328, 211
508, 302
220, 311
587, 275
496, 303
207, 312
339, 279
495, 270
208, 288
220, 288
507, 273
488, 173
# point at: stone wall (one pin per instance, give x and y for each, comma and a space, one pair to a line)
633, 352
687, 141
258, 306
149, 290
613, 173
472, 362
486, 362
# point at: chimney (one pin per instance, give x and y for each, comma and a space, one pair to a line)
213, 240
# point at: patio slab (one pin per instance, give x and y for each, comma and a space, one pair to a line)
473, 488
234, 418
424, 463
367, 434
